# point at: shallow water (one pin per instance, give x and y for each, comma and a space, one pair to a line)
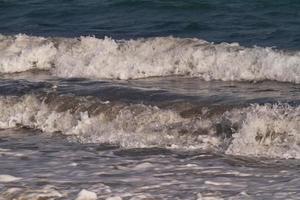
176, 159
50, 166
149, 99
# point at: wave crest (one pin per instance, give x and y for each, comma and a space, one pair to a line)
89, 57
269, 131
257, 130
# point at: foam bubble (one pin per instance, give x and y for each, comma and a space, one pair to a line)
89, 57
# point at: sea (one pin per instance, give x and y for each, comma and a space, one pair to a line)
149, 99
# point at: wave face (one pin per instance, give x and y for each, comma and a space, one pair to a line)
89, 57
257, 130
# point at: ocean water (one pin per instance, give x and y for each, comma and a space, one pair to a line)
149, 99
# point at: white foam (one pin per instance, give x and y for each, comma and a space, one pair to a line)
22, 53
47, 192
132, 126
106, 58
212, 197
114, 198
4, 178
86, 195
258, 130
8, 152
270, 131
143, 166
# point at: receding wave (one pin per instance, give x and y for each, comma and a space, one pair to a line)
257, 130
89, 57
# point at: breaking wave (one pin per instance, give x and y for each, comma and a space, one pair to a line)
90, 57
257, 130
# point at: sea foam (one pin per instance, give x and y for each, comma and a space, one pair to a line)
90, 57
257, 130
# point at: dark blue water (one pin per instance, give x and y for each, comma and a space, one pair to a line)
249, 22
189, 119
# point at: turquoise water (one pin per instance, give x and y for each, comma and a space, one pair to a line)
249, 22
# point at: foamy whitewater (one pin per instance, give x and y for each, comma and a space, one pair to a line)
78, 138
269, 130
149, 100
157, 118
90, 57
